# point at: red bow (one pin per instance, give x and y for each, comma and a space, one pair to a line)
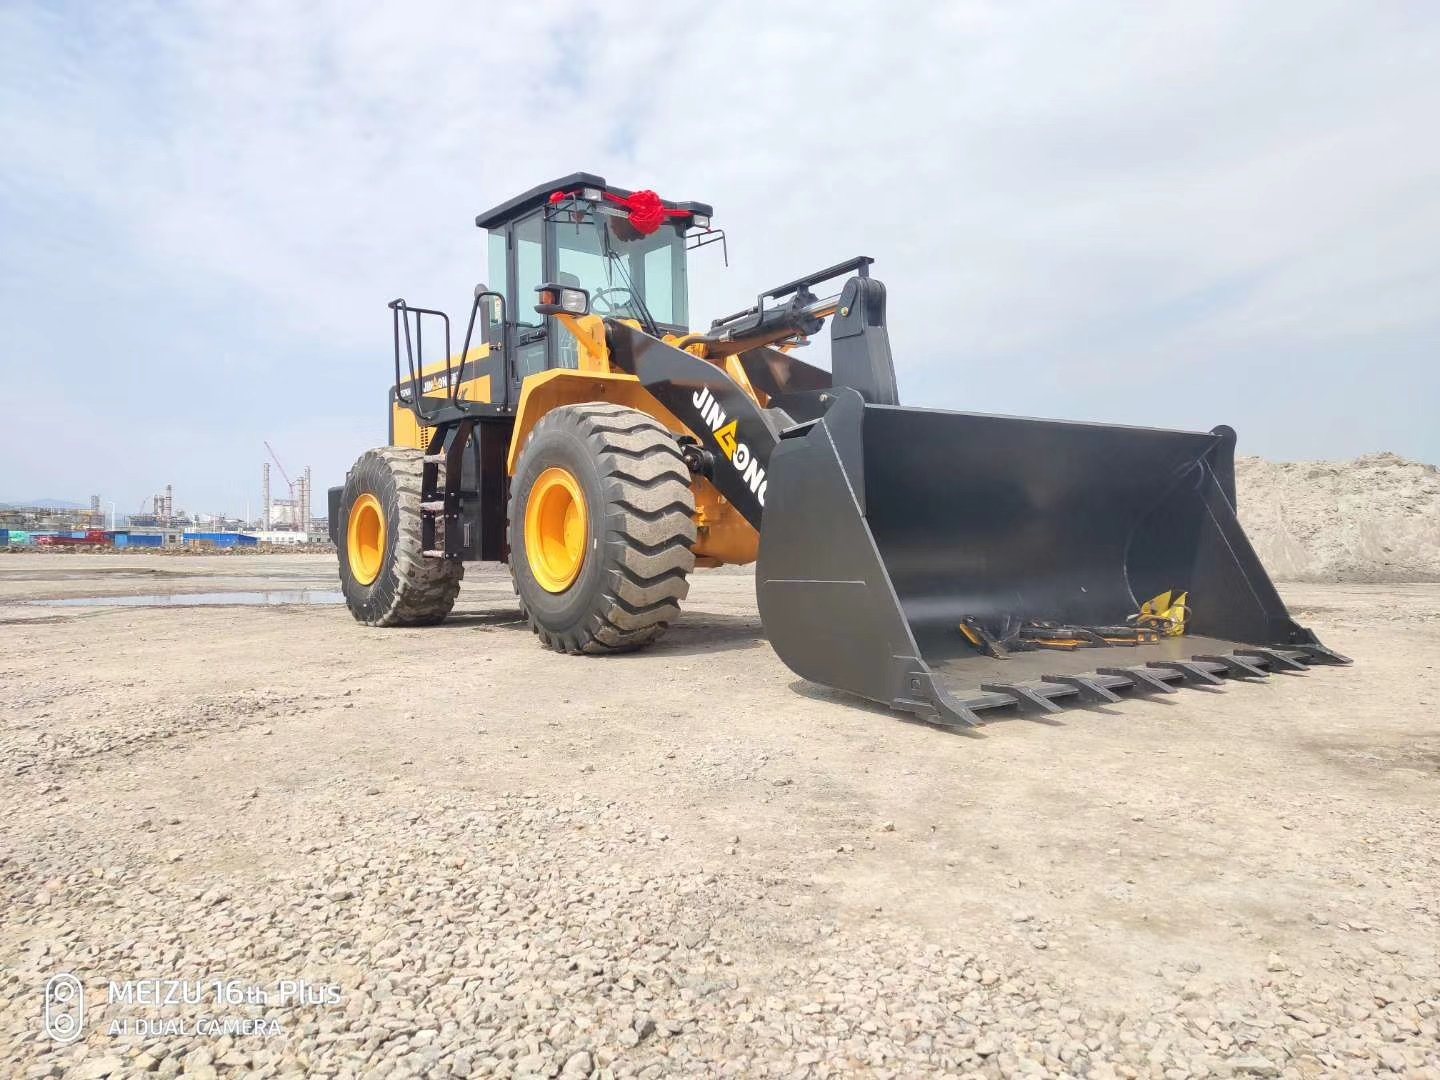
646, 209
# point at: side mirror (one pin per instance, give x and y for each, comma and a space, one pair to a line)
562, 300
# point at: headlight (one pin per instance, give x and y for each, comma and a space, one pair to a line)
562, 300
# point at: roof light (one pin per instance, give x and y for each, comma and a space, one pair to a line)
700, 221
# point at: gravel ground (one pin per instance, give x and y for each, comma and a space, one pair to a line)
687, 862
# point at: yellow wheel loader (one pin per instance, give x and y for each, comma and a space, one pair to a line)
946, 564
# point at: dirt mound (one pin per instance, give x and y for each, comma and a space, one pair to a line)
1376, 518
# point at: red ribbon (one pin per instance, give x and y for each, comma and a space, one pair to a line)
647, 210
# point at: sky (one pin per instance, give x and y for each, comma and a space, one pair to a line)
1175, 214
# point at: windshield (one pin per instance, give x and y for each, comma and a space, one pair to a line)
605, 256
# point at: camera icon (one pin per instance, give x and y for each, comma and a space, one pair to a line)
64, 1008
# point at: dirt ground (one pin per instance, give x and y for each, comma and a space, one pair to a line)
687, 861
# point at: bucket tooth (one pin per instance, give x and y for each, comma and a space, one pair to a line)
1321, 654
970, 707
1239, 667
951, 713
1088, 686
966, 717
956, 713
1023, 695
1141, 678
1279, 660
1191, 669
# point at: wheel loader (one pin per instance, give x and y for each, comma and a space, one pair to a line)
952, 566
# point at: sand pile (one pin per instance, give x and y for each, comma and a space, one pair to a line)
1376, 518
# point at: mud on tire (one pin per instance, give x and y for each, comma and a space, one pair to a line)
410, 590
641, 525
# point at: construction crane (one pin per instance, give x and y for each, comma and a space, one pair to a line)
300, 502
283, 474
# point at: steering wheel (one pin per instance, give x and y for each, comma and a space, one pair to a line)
612, 305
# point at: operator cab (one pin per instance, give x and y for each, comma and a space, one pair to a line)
626, 249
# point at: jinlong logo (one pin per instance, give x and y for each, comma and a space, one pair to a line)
726, 432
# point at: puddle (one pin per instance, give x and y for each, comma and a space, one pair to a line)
271, 598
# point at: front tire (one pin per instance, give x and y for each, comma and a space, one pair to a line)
601, 526
384, 574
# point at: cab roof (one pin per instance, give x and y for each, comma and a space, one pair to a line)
538, 196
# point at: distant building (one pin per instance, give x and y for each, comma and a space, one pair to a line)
279, 536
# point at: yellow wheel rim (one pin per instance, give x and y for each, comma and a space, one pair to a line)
557, 528
365, 538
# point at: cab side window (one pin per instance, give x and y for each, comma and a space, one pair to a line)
498, 280
529, 268
529, 274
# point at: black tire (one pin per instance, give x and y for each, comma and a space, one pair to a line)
641, 525
410, 590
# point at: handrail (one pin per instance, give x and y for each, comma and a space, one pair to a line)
401, 314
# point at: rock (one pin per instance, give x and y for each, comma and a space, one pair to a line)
577, 1065
97, 1068
1274, 963
1252, 1065
1393, 1059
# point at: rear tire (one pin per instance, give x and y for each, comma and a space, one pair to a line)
639, 522
385, 576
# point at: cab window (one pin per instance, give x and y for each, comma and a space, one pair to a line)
607, 258
498, 280
529, 268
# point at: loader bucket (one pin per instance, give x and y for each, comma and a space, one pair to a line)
886, 527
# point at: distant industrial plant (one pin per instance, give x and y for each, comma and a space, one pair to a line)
283, 520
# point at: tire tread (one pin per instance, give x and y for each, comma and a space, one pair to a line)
425, 590
649, 530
